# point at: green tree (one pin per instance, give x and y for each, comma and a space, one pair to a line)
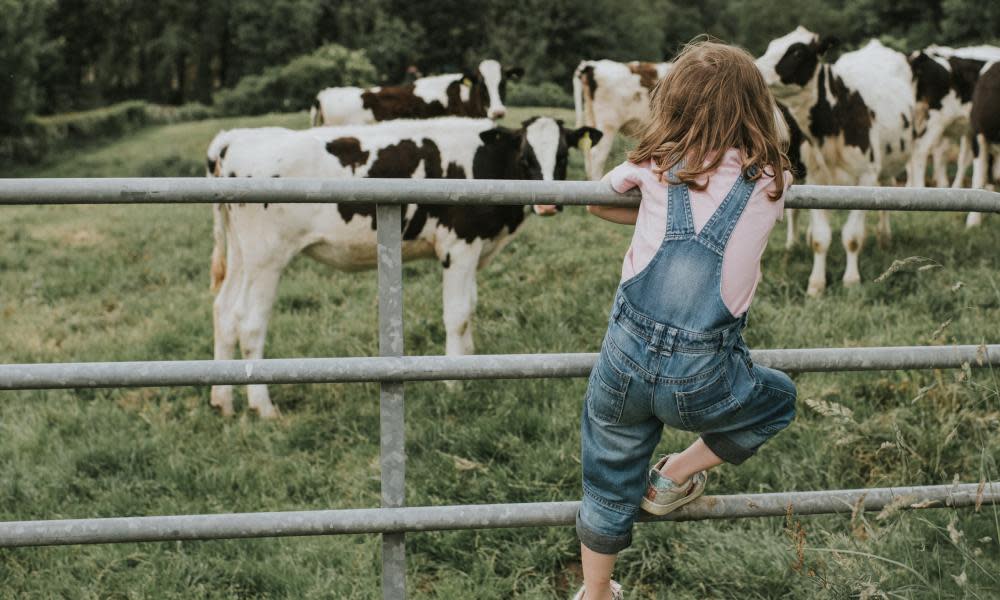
971, 22
271, 33
391, 42
22, 42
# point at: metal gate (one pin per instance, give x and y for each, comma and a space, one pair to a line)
392, 369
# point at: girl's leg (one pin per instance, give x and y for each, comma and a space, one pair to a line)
597, 573
696, 457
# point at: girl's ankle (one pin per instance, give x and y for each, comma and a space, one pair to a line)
665, 471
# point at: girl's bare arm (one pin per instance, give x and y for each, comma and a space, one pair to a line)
622, 215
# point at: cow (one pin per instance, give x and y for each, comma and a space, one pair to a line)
984, 124
856, 115
944, 80
478, 93
612, 96
254, 242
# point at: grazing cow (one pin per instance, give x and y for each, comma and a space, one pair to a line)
944, 79
479, 93
612, 96
254, 242
984, 123
856, 115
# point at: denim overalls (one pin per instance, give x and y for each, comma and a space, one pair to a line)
673, 354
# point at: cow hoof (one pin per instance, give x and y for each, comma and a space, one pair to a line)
852, 280
816, 287
224, 410
268, 413
222, 404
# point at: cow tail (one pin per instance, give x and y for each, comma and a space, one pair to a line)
220, 214
316, 113
220, 223
584, 104
578, 95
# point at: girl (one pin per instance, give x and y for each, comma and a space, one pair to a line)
712, 173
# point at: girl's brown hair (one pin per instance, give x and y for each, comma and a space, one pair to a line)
714, 98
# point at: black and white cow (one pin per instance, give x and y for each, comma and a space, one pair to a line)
856, 115
478, 93
984, 124
254, 243
944, 80
613, 96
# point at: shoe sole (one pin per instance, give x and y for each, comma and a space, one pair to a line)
662, 509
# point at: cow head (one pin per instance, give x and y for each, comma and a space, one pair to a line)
790, 62
489, 86
538, 150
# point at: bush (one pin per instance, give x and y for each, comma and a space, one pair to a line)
538, 94
166, 114
293, 87
41, 135
110, 121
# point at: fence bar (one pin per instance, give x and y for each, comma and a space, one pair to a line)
430, 368
482, 516
195, 190
392, 436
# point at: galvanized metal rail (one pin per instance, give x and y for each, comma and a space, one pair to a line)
396, 521
188, 190
392, 369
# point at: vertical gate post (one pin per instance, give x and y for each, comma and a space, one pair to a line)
391, 413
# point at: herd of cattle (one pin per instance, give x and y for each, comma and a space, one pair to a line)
867, 119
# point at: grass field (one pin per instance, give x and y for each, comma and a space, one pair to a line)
123, 282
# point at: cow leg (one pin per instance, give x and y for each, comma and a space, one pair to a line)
884, 231
820, 235
916, 169
963, 162
853, 238
980, 168
224, 323
259, 291
460, 296
599, 153
940, 165
790, 236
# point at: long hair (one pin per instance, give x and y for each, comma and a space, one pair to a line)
714, 98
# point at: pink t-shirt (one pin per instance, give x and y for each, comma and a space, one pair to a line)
741, 261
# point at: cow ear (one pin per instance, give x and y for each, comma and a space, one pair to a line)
514, 73
826, 42
497, 135
468, 77
583, 137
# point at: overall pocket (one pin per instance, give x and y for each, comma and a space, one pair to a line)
606, 390
705, 405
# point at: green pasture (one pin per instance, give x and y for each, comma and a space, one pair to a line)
99, 283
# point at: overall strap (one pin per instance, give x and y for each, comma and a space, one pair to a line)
720, 225
680, 224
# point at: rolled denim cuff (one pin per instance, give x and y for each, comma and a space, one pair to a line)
727, 449
599, 542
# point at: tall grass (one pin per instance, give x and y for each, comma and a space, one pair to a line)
121, 282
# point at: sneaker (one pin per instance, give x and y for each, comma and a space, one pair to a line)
616, 592
663, 495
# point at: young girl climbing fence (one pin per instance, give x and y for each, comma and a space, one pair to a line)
712, 171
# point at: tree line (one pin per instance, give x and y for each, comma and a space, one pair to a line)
65, 55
